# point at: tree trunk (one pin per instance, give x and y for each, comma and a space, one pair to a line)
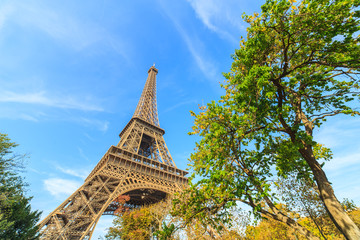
336, 212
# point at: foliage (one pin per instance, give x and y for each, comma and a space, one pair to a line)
143, 223
166, 232
302, 196
157, 222
297, 67
325, 224
121, 202
271, 229
17, 221
167, 225
348, 205
135, 224
197, 230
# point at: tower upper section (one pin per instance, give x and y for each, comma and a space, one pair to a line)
147, 107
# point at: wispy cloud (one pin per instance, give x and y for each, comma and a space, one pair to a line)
350, 190
82, 154
61, 27
341, 134
42, 98
221, 17
76, 31
88, 137
99, 124
57, 24
35, 113
5, 12
37, 171
78, 172
343, 173
341, 127
40, 111
194, 45
27, 117
21, 113
205, 64
179, 105
59, 187
343, 162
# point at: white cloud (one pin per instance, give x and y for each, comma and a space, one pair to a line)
99, 124
42, 98
38, 107
221, 17
28, 117
341, 135
350, 191
59, 187
82, 154
76, 31
179, 105
341, 162
205, 64
79, 172
21, 112
58, 24
194, 45
88, 137
345, 178
5, 12
338, 132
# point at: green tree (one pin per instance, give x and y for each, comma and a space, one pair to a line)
298, 66
17, 220
143, 223
135, 224
302, 196
271, 229
323, 222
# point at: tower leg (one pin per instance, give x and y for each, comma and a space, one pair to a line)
76, 217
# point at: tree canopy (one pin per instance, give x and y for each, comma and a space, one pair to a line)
144, 223
17, 220
298, 66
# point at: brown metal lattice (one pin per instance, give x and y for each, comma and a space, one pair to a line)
139, 166
147, 108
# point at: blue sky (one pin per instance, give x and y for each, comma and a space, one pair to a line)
71, 75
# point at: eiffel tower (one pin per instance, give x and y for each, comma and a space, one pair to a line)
140, 166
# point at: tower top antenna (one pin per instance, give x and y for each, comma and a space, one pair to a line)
147, 107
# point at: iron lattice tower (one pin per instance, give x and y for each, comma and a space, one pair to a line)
139, 166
